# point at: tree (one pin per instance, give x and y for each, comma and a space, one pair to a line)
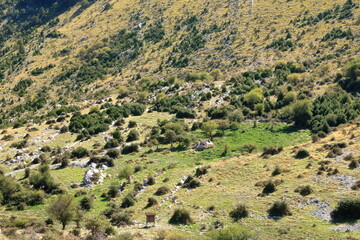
97, 226
209, 128
62, 209
223, 125
170, 137
254, 96
302, 112
216, 74
133, 136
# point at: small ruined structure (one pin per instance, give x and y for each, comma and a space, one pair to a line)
201, 145
150, 218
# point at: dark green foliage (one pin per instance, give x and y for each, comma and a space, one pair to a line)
277, 171
133, 136
127, 149
279, 209
113, 153
304, 190
23, 85
282, 44
102, 160
162, 191
351, 79
128, 201
39, 71
269, 187
80, 152
338, 33
191, 183
112, 143
185, 113
302, 153
95, 122
239, 212
348, 209
86, 203
267, 151
113, 191
181, 216
43, 180
354, 164
151, 202
171, 104
344, 11
155, 33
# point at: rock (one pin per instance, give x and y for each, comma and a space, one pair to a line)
93, 176
103, 167
202, 145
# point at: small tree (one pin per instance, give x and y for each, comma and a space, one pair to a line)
133, 136
216, 74
97, 226
62, 209
209, 129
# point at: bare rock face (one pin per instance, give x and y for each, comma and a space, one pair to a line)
202, 145
94, 176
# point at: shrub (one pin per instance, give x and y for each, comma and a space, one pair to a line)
113, 153
348, 209
128, 201
120, 219
133, 136
304, 190
151, 202
86, 203
269, 187
125, 172
162, 191
231, 233
80, 152
354, 164
239, 212
132, 124
113, 191
112, 143
201, 171
180, 216
302, 153
151, 180
249, 147
279, 209
276, 171
271, 151
130, 148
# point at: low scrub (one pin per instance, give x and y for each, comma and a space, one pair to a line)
181, 216
348, 209
279, 209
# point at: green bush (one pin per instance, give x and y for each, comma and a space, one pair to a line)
239, 212
348, 209
304, 190
86, 203
180, 216
302, 153
128, 201
269, 187
133, 136
231, 233
80, 152
162, 191
279, 209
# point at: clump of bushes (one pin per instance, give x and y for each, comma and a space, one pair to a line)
269, 151
86, 203
180, 216
162, 191
239, 212
128, 201
151, 202
248, 147
80, 152
304, 190
269, 187
133, 136
348, 209
127, 149
302, 153
279, 209
191, 183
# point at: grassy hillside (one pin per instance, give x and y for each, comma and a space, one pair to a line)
103, 101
